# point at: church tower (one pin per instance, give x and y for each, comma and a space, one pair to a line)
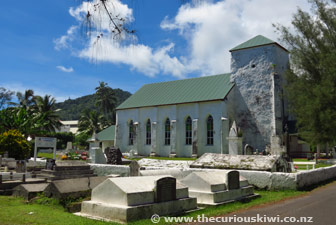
258, 107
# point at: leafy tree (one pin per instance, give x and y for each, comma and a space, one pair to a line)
44, 113
5, 96
25, 99
15, 143
91, 122
106, 100
81, 140
312, 78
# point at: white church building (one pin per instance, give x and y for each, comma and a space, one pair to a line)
193, 116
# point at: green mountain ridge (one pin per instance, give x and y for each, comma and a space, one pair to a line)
71, 109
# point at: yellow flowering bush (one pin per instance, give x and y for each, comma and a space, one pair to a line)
15, 144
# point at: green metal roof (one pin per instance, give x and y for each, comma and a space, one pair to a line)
254, 42
107, 134
180, 91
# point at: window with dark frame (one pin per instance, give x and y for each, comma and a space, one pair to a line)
148, 132
131, 133
188, 129
210, 131
167, 132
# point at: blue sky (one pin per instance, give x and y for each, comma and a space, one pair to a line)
41, 47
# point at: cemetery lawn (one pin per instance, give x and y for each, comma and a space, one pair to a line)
320, 163
45, 155
17, 211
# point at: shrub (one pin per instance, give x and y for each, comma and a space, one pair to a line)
15, 144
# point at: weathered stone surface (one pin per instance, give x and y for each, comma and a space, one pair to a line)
242, 162
134, 168
29, 191
156, 163
107, 169
165, 189
113, 155
97, 156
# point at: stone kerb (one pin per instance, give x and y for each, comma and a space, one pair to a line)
311, 177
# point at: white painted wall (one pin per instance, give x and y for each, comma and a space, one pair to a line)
180, 112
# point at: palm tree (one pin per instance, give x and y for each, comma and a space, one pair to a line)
91, 122
106, 99
44, 113
26, 99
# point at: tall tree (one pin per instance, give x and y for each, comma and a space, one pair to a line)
312, 78
44, 113
25, 99
5, 96
106, 100
91, 122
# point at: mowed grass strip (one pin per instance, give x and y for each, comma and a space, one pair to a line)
17, 211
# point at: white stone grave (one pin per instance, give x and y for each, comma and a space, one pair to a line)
126, 199
97, 155
216, 188
235, 142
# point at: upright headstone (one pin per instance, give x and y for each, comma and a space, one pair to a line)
235, 142
248, 150
97, 155
233, 180
333, 152
165, 189
113, 155
50, 164
69, 146
20, 166
134, 168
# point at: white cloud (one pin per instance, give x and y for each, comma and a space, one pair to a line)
214, 28
65, 40
210, 28
64, 69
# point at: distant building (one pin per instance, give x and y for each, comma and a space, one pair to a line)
193, 116
69, 126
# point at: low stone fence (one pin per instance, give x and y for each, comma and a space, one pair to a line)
107, 169
265, 180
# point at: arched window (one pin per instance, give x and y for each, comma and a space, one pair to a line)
148, 132
210, 131
131, 133
188, 129
167, 132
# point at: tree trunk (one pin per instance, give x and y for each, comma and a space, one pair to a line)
318, 151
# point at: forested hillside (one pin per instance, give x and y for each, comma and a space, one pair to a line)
71, 109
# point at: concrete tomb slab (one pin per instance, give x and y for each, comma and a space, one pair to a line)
29, 191
75, 188
125, 199
215, 188
271, 163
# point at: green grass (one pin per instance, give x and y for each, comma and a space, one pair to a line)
304, 167
16, 210
45, 155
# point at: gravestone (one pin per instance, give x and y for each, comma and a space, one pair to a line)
97, 156
235, 142
165, 189
134, 168
50, 164
113, 155
20, 166
233, 180
248, 150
